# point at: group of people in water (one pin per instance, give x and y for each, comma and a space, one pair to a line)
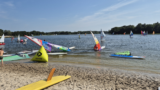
22, 41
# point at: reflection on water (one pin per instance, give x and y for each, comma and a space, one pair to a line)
84, 54
2, 46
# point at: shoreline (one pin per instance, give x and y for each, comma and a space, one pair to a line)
15, 75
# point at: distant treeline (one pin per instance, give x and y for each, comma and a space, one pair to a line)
34, 32
136, 29
116, 30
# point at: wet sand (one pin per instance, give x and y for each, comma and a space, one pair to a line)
16, 75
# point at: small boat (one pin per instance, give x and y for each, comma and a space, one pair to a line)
2, 40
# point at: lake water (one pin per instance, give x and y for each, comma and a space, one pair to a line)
84, 54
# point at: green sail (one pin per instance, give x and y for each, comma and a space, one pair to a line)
123, 53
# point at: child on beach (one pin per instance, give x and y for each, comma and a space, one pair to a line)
1, 55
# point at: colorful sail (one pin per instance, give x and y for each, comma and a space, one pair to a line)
141, 32
48, 46
102, 35
40, 43
97, 46
60, 47
144, 33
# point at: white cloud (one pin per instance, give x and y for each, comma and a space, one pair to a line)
2, 11
157, 11
103, 17
9, 4
111, 8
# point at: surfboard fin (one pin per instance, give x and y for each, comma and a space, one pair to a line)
51, 74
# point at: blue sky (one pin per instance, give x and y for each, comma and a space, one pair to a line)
76, 15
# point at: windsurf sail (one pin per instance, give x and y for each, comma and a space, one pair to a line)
18, 39
102, 35
141, 32
48, 46
2, 39
131, 33
97, 46
60, 47
40, 43
144, 33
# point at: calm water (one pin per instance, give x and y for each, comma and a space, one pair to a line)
84, 54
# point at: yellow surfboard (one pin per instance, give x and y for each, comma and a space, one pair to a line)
41, 55
43, 83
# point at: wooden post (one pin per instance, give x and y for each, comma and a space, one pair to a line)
51, 74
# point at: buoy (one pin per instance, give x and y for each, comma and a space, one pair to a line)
21, 40
41, 55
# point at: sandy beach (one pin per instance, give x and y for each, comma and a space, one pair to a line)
15, 75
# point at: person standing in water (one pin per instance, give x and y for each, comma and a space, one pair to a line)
12, 38
96, 47
1, 55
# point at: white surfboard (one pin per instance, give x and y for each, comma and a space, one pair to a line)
57, 53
